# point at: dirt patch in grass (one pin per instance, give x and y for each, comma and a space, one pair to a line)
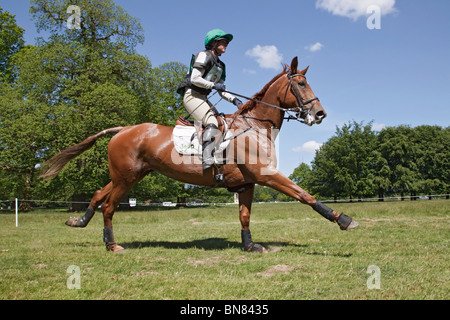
279, 268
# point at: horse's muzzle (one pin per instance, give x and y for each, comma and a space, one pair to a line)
319, 116
314, 118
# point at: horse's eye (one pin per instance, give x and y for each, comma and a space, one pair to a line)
302, 83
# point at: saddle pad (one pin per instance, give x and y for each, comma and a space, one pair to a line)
182, 136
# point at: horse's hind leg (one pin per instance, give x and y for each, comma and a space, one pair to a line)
97, 199
245, 206
108, 208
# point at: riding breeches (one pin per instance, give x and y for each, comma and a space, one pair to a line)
200, 108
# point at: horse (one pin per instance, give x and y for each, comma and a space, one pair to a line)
135, 151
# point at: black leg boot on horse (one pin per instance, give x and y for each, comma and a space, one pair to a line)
343, 221
245, 207
97, 199
83, 221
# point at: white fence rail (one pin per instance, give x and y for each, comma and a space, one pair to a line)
15, 203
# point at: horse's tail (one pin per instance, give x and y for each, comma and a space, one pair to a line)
55, 164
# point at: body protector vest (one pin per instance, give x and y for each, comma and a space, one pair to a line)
214, 71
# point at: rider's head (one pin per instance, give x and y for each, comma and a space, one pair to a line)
217, 40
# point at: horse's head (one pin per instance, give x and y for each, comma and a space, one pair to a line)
300, 98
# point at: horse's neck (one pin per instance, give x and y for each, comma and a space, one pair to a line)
264, 116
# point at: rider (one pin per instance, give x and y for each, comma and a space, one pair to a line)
207, 72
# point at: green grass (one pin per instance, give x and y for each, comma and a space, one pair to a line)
195, 253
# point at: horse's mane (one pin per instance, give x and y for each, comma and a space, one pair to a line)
258, 96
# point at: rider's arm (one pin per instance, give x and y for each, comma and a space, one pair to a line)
197, 79
227, 96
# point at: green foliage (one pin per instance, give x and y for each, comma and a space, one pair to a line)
358, 162
301, 174
11, 41
72, 85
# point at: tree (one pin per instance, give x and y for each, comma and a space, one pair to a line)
398, 148
22, 140
301, 175
74, 84
166, 79
11, 41
11, 170
432, 158
346, 164
102, 24
381, 180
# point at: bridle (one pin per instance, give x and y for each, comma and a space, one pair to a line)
294, 113
301, 110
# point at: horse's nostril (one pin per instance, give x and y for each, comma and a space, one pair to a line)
320, 114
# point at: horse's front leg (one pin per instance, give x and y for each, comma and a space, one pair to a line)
245, 206
283, 184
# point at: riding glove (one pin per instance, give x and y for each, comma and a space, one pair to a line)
219, 86
237, 102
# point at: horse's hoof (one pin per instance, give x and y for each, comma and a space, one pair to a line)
345, 222
72, 222
352, 225
257, 248
115, 248
118, 249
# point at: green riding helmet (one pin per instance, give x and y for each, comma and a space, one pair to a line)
216, 34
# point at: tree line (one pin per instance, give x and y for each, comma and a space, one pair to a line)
358, 162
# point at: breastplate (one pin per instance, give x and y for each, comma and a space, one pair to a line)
214, 74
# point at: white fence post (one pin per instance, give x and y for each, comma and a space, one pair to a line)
17, 212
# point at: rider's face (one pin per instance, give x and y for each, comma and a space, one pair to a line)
221, 47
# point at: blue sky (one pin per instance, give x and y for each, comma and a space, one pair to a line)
399, 74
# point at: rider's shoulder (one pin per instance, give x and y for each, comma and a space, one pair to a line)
203, 58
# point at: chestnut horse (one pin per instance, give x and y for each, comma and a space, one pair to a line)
135, 151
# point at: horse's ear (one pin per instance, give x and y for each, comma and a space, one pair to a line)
303, 72
294, 65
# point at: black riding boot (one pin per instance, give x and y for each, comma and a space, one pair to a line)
208, 145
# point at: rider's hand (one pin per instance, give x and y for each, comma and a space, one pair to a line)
237, 102
219, 86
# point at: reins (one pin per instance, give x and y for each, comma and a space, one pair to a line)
300, 110
254, 100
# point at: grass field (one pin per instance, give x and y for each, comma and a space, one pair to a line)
195, 253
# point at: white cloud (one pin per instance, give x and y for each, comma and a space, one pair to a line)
309, 146
314, 47
267, 57
355, 9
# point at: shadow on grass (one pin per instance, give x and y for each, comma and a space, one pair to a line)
206, 244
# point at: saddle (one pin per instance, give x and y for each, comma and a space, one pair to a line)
181, 121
